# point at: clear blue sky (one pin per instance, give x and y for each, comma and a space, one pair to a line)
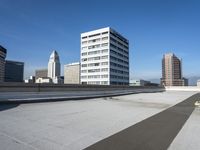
31, 29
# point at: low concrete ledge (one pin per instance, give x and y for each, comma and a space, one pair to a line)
22, 87
35, 93
183, 88
74, 97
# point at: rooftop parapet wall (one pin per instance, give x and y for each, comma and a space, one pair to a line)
22, 87
182, 88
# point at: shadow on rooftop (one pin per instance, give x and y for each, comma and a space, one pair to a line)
4, 107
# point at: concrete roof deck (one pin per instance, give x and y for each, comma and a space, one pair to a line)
78, 124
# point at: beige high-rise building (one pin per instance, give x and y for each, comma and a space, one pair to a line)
41, 73
172, 71
3, 52
72, 73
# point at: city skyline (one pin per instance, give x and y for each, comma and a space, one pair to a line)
153, 29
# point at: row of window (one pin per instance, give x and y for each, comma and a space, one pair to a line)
105, 70
93, 64
94, 58
119, 77
118, 65
119, 43
118, 48
94, 82
103, 45
97, 82
118, 59
119, 37
119, 71
95, 40
118, 54
95, 52
93, 35
94, 76
94, 70
95, 46
119, 83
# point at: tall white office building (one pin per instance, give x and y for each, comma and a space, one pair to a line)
54, 67
104, 58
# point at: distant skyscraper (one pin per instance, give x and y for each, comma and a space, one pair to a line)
172, 71
104, 58
72, 73
198, 83
14, 71
3, 52
54, 67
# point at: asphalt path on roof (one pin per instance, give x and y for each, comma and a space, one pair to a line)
154, 133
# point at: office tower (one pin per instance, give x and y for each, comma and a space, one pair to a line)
54, 67
172, 71
72, 73
104, 58
3, 52
14, 71
41, 73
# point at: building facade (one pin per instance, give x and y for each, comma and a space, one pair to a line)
72, 73
14, 71
104, 58
139, 82
3, 53
54, 67
172, 71
41, 73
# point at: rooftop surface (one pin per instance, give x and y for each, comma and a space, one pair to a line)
75, 125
